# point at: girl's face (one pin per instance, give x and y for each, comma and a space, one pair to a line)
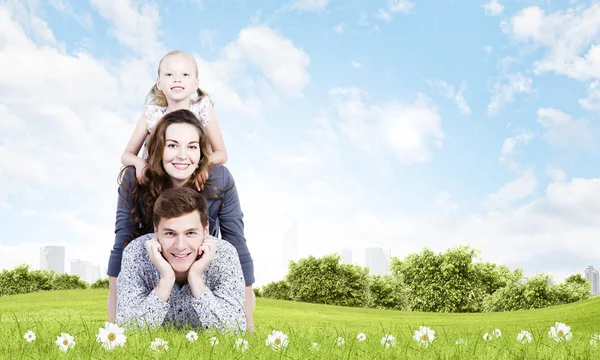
182, 152
178, 79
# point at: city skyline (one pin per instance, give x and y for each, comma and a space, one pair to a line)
593, 276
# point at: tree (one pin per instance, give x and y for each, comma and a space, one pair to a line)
326, 281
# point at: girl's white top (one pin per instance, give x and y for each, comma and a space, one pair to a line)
155, 113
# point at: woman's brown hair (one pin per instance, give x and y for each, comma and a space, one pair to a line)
156, 179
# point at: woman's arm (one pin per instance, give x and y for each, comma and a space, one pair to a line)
124, 226
231, 224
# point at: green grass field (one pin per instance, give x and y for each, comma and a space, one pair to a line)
82, 312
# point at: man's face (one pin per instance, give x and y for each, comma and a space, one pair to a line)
180, 239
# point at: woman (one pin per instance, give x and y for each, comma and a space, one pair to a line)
177, 151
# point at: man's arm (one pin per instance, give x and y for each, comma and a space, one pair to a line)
221, 306
136, 301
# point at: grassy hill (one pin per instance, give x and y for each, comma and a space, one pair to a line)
82, 312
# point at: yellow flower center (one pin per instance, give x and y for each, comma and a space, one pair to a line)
561, 333
65, 342
389, 341
277, 341
112, 337
159, 347
424, 337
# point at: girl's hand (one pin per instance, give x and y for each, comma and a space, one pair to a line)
200, 180
140, 171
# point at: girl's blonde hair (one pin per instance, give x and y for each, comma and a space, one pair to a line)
160, 97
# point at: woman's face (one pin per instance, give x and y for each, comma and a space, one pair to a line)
182, 152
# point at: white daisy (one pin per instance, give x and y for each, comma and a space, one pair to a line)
159, 345
340, 341
424, 336
29, 336
315, 346
595, 339
277, 340
524, 337
111, 336
388, 340
361, 337
191, 336
460, 342
487, 337
560, 332
241, 344
65, 342
214, 341
497, 333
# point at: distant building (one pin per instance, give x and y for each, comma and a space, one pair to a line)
346, 255
289, 246
86, 270
377, 260
53, 258
593, 277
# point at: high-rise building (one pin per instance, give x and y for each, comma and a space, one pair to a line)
377, 260
593, 277
346, 255
87, 271
289, 246
53, 258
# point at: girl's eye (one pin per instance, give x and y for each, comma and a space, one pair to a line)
186, 74
193, 147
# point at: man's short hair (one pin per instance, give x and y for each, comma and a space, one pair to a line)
176, 202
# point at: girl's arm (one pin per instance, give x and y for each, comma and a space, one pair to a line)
136, 141
213, 131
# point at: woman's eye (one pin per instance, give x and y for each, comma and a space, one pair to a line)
171, 145
193, 147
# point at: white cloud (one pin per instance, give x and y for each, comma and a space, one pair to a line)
339, 28
309, 5
64, 7
451, 93
511, 192
488, 49
592, 101
275, 56
400, 6
493, 7
355, 64
407, 130
395, 6
563, 131
505, 90
512, 146
568, 36
135, 25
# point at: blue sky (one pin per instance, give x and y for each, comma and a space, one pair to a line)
398, 124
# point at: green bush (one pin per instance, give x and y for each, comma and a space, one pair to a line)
279, 290
68, 282
326, 281
21, 280
100, 284
257, 292
387, 292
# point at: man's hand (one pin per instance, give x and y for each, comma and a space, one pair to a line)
206, 251
155, 253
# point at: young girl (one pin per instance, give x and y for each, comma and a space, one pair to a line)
176, 88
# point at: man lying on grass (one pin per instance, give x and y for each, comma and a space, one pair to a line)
180, 274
